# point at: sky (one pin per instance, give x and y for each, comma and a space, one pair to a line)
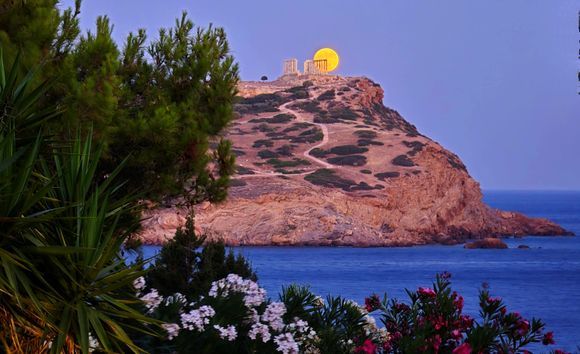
494, 81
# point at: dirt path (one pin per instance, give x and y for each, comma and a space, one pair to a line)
325, 139
325, 135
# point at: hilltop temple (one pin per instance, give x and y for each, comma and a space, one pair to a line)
311, 67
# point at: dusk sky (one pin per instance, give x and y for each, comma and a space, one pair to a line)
493, 81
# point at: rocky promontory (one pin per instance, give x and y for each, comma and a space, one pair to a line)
321, 161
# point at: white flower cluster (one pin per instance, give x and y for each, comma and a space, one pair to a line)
267, 327
273, 315
262, 330
152, 300
253, 294
197, 319
172, 330
228, 333
286, 343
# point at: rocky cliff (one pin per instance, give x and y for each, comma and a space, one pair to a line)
321, 161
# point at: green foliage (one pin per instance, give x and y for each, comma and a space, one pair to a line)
184, 266
327, 95
337, 321
62, 274
348, 160
159, 101
403, 160
347, 150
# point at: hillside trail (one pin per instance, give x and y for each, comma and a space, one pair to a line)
325, 139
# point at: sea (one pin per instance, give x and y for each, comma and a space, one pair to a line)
542, 281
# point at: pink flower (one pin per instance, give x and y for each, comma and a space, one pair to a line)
548, 338
372, 303
368, 347
459, 303
427, 292
464, 348
456, 334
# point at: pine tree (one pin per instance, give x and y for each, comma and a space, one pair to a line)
163, 104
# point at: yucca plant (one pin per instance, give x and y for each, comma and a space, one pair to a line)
63, 281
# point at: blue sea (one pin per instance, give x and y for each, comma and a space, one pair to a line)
543, 281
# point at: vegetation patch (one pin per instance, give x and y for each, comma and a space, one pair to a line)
277, 163
266, 102
403, 160
263, 143
263, 127
415, 146
366, 172
297, 126
236, 182
318, 152
244, 170
327, 95
311, 106
238, 152
347, 150
349, 160
365, 134
323, 119
367, 142
328, 178
267, 154
277, 119
298, 92
285, 150
308, 136
384, 175
343, 113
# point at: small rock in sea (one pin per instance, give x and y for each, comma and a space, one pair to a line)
523, 247
487, 243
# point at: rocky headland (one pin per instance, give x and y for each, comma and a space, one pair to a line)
321, 161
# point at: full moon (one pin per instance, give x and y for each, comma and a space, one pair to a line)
330, 56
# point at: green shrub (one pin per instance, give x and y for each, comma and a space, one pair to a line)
277, 163
318, 152
384, 175
310, 106
347, 150
267, 154
308, 136
244, 170
261, 142
236, 182
327, 95
366, 172
328, 178
348, 160
284, 150
366, 142
403, 160
365, 134
343, 113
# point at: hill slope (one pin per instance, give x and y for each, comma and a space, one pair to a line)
321, 161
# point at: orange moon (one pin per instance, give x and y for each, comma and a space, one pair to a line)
330, 56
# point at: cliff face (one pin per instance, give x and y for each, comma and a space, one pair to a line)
321, 161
